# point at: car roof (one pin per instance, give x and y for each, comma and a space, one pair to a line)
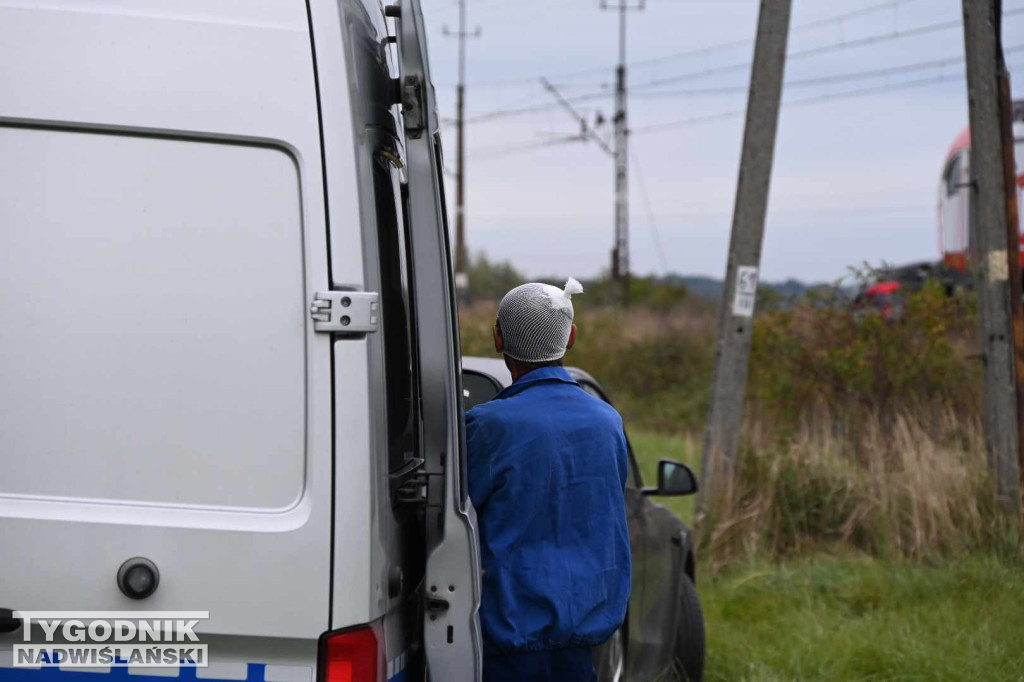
496, 369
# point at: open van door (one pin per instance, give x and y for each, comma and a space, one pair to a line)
451, 589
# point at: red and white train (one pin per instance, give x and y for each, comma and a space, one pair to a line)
956, 243
958, 246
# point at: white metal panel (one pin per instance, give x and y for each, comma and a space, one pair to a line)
192, 71
953, 205
154, 342
333, 58
356, 594
360, 513
198, 67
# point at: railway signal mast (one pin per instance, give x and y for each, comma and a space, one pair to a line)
620, 252
461, 262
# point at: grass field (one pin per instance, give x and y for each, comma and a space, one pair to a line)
845, 619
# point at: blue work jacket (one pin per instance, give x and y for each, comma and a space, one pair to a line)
547, 474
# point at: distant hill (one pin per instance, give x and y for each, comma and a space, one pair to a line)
711, 289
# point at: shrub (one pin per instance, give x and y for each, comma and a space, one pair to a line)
823, 351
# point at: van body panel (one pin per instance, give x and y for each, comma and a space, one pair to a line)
331, 56
186, 395
162, 234
355, 592
183, 177
362, 513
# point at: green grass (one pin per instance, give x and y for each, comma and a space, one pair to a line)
846, 619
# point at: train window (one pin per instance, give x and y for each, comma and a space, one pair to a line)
951, 177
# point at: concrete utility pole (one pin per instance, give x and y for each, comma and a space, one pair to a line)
620, 252
993, 205
461, 262
735, 321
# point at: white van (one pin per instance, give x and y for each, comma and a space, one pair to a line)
228, 348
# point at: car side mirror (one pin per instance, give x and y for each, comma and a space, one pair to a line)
674, 478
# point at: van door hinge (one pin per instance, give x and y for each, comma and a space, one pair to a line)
345, 312
412, 106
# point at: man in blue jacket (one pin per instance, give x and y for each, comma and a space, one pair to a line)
547, 474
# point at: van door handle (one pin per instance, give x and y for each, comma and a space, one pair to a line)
8, 623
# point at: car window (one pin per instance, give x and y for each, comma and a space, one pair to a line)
477, 388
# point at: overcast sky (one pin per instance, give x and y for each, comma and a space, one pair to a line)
855, 176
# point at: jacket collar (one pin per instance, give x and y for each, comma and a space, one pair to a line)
537, 376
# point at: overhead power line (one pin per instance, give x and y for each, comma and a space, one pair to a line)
735, 113
897, 34
700, 51
743, 42
504, 150
651, 221
817, 99
739, 66
790, 84
822, 80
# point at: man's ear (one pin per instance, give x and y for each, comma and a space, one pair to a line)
499, 343
572, 337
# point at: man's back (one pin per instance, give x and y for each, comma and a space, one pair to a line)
547, 471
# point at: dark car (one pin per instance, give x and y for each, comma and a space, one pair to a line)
663, 636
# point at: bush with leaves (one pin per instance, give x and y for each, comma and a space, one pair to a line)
826, 352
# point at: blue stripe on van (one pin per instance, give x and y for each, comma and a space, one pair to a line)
256, 672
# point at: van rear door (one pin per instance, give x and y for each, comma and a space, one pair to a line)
162, 391
452, 584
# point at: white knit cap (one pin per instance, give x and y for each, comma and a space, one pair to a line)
536, 320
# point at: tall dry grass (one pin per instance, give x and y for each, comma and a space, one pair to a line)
908, 487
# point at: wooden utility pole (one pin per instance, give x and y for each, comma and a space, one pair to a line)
735, 320
992, 203
461, 261
620, 252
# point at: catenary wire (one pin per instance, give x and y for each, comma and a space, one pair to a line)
734, 113
651, 221
700, 51
789, 84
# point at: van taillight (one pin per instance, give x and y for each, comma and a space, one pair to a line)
352, 656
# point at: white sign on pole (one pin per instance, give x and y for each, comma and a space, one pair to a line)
746, 291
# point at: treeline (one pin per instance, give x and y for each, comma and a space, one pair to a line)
490, 280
